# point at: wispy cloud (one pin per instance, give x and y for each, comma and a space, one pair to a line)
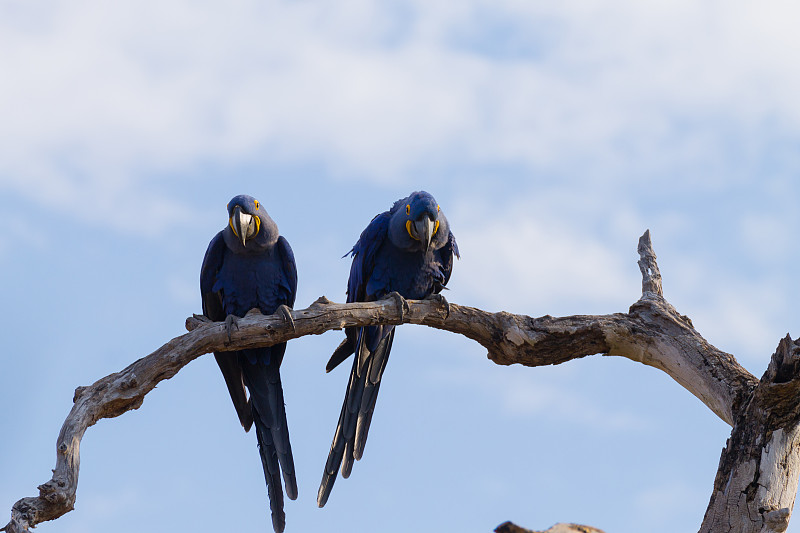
101, 98
536, 253
527, 257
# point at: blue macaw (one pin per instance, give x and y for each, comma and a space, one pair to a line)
404, 252
248, 265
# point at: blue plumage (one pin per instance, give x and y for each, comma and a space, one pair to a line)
248, 265
408, 250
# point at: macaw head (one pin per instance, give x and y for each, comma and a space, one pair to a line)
249, 223
418, 223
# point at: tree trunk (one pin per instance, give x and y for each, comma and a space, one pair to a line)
756, 482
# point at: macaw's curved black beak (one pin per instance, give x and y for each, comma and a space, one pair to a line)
424, 229
243, 225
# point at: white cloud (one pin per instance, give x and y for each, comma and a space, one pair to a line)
530, 256
550, 251
21, 228
745, 317
96, 97
769, 237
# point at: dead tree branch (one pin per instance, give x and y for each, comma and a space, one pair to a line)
759, 467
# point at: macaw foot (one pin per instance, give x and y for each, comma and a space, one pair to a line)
286, 312
402, 304
231, 321
442, 302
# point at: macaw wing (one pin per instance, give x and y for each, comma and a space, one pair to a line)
364, 253
289, 269
447, 252
212, 308
212, 262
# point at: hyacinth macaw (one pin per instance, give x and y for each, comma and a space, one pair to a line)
407, 250
248, 265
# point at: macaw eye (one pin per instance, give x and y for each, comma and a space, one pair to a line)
408, 209
437, 208
256, 205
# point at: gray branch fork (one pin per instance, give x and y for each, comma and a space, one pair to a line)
755, 486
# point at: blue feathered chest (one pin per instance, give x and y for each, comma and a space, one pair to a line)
246, 281
414, 275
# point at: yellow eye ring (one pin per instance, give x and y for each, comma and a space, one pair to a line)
256, 205
437, 208
408, 209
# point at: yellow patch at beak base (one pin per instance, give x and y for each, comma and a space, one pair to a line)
408, 229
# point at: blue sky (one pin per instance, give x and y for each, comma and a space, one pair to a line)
552, 135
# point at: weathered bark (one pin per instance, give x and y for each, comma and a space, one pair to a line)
755, 487
757, 480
